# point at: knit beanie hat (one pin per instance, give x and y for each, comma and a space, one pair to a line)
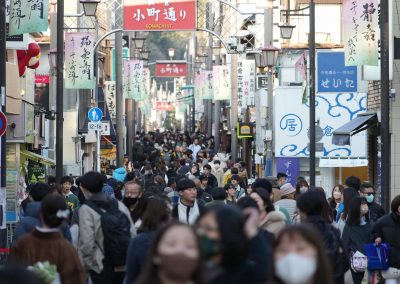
286, 189
185, 184
119, 174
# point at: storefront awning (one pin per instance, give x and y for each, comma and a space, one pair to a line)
38, 158
341, 136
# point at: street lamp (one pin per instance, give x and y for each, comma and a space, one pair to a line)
286, 30
90, 7
138, 42
171, 53
202, 58
145, 54
53, 60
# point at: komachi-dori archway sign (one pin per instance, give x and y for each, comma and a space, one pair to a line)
159, 15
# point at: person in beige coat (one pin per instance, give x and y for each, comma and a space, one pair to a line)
218, 172
90, 244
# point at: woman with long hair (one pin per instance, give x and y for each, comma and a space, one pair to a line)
175, 257
336, 198
156, 214
300, 257
357, 232
232, 247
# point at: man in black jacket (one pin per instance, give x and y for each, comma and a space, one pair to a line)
310, 205
387, 230
187, 210
375, 211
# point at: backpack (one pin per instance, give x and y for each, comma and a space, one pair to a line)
116, 231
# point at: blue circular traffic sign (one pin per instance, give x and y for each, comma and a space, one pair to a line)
95, 114
3, 123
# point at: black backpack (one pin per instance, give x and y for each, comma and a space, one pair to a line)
116, 231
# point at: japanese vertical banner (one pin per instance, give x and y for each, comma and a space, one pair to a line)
246, 83
361, 32
109, 93
79, 60
145, 85
222, 83
198, 94
28, 16
289, 166
133, 76
208, 85
160, 15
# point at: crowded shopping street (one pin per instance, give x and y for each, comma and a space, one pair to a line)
199, 142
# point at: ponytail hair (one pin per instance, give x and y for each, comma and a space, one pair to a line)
54, 210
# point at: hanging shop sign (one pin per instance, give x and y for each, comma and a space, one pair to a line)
159, 15
165, 106
244, 130
133, 76
171, 69
333, 75
361, 32
79, 60
28, 16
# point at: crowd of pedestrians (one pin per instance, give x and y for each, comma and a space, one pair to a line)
178, 212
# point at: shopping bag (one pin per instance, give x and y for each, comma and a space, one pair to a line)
378, 256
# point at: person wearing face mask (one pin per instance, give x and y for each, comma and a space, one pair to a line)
386, 230
301, 187
300, 257
336, 198
156, 214
175, 257
357, 232
282, 177
310, 206
375, 211
133, 201
234, 250
218, 172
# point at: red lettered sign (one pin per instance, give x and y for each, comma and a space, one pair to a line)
42, 79
170, 69
165, 106
159, 15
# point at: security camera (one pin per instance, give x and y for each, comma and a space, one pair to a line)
232, 42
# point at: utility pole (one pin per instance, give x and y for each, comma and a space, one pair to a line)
3, 90
234, 106
209, 66
60, 90
385, 106
130, 133
312, 93
268, 38
119, 98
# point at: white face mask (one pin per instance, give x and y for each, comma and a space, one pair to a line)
216, 166
303, 189
337, 194
295, 268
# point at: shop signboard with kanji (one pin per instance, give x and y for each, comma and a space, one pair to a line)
27, 16
361, 32
165, 106
332, 74
79, 60
159, 15
170, 69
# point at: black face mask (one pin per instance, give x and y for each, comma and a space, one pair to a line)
128, 201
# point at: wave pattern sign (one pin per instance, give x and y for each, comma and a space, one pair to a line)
332, 111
